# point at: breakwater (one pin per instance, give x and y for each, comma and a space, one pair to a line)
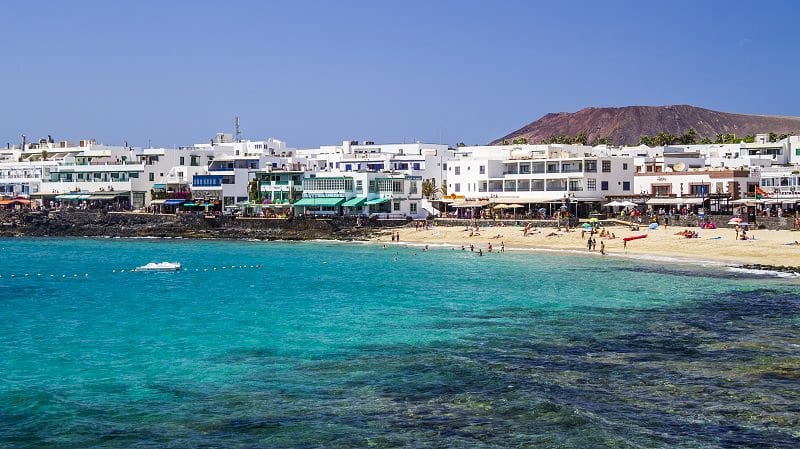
76, 223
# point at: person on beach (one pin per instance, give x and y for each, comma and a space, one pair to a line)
490, 247
589, 244
602, 247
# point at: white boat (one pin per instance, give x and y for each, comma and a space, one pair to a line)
160, 266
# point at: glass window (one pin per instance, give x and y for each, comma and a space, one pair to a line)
591, 184
458, 170
603, 185
606, 166
413, 208
457, 187
483, 169
626, 186
396, 206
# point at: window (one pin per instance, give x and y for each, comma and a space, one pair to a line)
458, 170
416, 165
413, 208
483, 169
591, 184
603, 185
359, 186
396, 207
626, 186
412, 188
698, 189
606, 166
181, 161
152, 176
624, 165
457, 187
591, 166
662, 190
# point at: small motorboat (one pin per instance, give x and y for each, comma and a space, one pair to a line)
160, 266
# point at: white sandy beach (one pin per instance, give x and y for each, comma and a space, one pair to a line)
719, 245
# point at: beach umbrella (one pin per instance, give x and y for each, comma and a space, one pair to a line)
653, 226
587, 226
515, 206
735, 220
501, 206
593, 220
612, 204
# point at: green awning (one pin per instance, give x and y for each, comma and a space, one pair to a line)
354, 202
72, 196
325, 201
377, 201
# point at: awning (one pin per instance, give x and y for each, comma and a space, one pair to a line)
323, 201
675, 201
72, 196
159, 186
469, 204
157, 202
355, 202
102, 196
14, 201
377, 201
173, 202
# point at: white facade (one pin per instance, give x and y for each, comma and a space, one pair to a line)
538, 174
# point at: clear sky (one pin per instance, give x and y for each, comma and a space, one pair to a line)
319, 72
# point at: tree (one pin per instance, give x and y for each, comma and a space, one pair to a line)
664, 139
580, 138
461, 144
773, 137
254, 191
705, 140
646, 140
520, 141
504, 142
603, 141
689, 137
429, 189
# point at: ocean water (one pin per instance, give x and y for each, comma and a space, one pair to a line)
331, 345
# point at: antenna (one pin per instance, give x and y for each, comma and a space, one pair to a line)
238, 132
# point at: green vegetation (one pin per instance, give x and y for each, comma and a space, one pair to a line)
579, 139
429, 189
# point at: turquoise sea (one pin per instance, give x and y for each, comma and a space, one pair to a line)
332, 345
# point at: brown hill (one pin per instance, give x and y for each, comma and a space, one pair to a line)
626, 125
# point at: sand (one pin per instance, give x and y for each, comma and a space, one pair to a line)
717, 245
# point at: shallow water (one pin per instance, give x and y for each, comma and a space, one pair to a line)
335, 345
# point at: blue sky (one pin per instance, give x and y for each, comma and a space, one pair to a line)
319, 72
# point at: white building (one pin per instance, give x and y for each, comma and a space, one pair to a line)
540, 175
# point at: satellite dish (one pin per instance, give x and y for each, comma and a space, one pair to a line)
680, 166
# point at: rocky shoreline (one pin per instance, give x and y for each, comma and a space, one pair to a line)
76, 223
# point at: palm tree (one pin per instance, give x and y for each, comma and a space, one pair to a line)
429, 189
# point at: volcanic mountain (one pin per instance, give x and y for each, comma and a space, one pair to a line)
626, 125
